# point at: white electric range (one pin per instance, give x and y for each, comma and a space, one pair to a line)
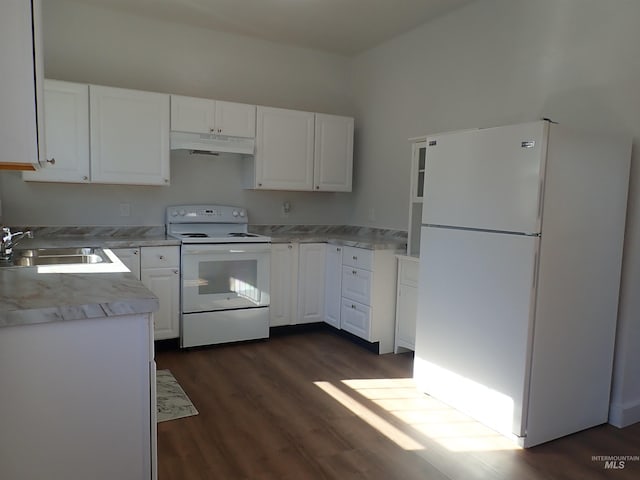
224, 275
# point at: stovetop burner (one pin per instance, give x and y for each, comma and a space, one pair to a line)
210, 224
195, 235
241, 234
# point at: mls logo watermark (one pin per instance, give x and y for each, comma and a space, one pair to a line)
615, 462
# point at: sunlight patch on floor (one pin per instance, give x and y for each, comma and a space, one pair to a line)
424, 415
392, 433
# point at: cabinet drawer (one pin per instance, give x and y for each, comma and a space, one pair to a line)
152, 257
408, 272
358, 257
355, 318
356, 284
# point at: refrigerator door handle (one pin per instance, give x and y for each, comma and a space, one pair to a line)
540, 194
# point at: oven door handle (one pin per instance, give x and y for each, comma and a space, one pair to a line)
226, 248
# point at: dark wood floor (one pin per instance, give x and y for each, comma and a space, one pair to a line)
314, 405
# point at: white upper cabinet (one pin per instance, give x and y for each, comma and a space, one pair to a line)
284, 149
67, 126
21, 77
199, 115
333, 156
129, 136
298, 150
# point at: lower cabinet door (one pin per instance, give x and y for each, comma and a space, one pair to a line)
165, 284
355, 318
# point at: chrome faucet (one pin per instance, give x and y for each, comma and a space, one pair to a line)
10, 240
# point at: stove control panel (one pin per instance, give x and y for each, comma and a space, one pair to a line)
206, 214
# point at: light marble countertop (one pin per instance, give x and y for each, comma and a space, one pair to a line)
30, 297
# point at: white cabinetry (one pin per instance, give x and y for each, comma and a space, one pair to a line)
21, 75
333, 154
311, 282
333, 285
159, 270
418, 169
105, 135
199, 115
67, 141
368, 295
406, 303
297, 283
131, 259
129, 136
298, 150
87, 388
284, 149
283, 284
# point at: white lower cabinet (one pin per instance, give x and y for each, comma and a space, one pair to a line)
297, 283
311, 282
368, 295
406, 303
283, 284
333, 285
159, 270
355, 318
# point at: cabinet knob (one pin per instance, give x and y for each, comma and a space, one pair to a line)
166, 180
161, 257
212, 130
353, 306
290, 247
355, 258
176, 271
135, 252
338, 249
317, 187
354, 272
259, 184
85, 178
52, 161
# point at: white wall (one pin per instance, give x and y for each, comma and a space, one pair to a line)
495, 62
93, 45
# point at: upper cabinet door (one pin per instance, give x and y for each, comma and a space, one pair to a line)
129, 136
189, 114
19, 79
488, 179
67, 141
333, 164
235, 119
199, 115
284, 149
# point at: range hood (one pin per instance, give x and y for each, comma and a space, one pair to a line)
210, 143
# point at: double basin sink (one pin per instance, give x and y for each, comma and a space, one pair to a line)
57, 256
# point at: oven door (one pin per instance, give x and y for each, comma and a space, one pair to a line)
225, 276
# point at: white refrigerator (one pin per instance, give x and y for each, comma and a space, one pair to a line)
520, 260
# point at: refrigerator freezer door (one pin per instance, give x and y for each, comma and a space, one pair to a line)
488, 179
474, 323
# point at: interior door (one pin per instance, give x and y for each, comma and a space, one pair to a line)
474, 322
486, 179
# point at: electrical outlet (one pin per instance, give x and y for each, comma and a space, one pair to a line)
286, 209
125, 209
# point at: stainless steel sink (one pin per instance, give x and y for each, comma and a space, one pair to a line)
59, 256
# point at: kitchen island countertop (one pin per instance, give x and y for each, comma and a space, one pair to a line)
29, 297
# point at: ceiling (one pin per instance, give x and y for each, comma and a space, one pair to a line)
345, 27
